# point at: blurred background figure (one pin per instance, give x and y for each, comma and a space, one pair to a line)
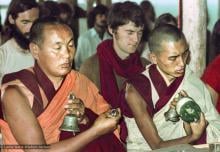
65, 13
49, 9
166, 18
88, 41
149, 16
214, 43
14, 52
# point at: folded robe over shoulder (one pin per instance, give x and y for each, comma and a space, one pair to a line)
52, 116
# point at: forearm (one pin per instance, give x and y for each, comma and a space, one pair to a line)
152, 137
183, 140
76, 143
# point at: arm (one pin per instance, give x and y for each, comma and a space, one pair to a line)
27, 130
213, 94
147, 126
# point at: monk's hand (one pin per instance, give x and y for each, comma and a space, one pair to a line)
181, 94
197, 128
187, 128
76, 106
107, 121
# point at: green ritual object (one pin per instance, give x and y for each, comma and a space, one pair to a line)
188, 109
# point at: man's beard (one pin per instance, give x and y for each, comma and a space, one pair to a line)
103, 25
21, 39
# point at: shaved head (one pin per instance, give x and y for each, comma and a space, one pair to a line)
162, 34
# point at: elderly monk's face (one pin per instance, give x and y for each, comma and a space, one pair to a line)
172, 59
56, 51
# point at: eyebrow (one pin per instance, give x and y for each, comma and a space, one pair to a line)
175, 56
67, 42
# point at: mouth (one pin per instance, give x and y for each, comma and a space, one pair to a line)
181, 71
66, 65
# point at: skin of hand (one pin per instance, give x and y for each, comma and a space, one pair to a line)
106, 123
198, 128
195, 128
148, 128
76, 106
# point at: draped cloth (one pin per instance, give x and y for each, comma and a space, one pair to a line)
52, 117
110, 64
159, 98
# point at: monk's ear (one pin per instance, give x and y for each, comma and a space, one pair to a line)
34, 48
110, 30
153, 58
11, 20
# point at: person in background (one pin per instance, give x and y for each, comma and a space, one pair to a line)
149, 16
117, 59
149, 95
14, 52
211, 74
211, 78
66, 13
88, 41
49, 9
214, 43
37, 97
166, 18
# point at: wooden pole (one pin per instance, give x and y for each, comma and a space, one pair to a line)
194, 28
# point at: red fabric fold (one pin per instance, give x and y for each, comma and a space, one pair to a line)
111, 63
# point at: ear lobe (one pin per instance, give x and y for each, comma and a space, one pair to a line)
110, 30
34, 49
11, 20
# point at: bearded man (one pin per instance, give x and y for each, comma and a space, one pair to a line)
14, 52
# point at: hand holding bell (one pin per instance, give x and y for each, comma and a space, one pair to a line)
75, 112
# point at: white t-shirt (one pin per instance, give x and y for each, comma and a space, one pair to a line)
13, 58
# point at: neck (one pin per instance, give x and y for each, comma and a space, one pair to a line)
166, 79
100, 31
122, 55
57, 82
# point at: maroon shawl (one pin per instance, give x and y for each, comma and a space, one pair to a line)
109, 63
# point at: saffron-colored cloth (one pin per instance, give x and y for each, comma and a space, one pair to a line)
211, 76
51, 118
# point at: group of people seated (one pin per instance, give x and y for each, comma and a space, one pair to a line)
117, 97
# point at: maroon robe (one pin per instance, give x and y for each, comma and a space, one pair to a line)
110, 64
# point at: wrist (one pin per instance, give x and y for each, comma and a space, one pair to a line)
193, 138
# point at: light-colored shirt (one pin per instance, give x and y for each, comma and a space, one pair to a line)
87, 44
13, 58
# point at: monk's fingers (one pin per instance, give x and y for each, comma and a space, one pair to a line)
183, 93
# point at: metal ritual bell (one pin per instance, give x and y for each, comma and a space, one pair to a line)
172, 115
70, 123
